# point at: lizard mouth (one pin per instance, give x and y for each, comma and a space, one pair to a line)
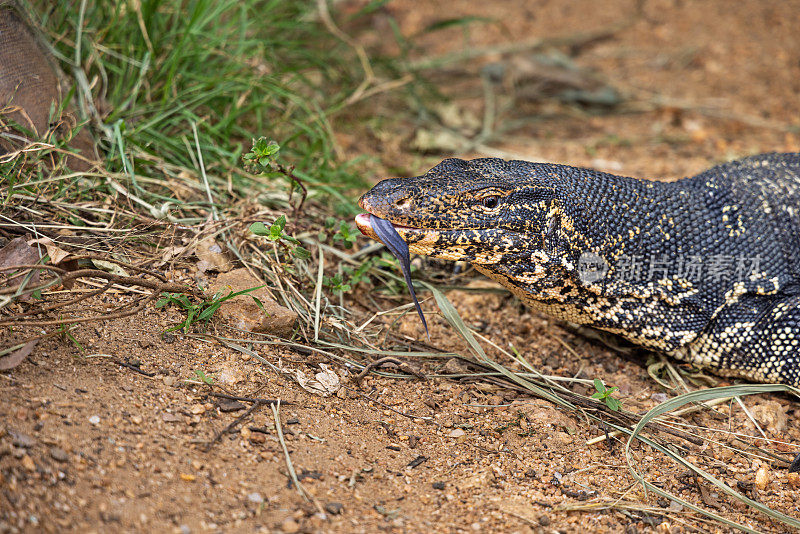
364, 224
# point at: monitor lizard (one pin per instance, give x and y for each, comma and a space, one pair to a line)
705, 269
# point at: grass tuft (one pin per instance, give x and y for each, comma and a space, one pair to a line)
146, 77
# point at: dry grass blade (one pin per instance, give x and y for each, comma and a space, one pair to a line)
289, 466
649, 419
455, 320
701, 396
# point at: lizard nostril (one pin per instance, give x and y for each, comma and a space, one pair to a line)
402, 203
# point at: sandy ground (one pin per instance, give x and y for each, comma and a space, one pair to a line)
88, 445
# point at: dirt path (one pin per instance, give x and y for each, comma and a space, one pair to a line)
88, 445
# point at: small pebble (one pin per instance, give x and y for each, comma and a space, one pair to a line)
170, 417
169, 381
227, 405
198, 409
95, 420
762, 478
438, 485
544, 520
290, 526
58, 454
793, 478
185, 529
257, 437
675, 506
659, 397
21, 440
334, 508
255, 497
27, 463
457, 433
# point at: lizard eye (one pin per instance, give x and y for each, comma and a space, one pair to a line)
490, 202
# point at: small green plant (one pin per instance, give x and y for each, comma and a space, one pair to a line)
64, 330
336, 283
263, 156
603, 394
350, 277
345, 234
200, 312
359, 274
263, 159
203, 377
275, 233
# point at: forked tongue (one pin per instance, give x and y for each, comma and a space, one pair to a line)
399, 248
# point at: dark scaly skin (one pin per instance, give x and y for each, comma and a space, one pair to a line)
535, 227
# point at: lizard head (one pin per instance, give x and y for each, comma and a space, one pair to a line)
488, 212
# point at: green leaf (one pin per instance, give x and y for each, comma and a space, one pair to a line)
290, 239
208, 312
460, 21
301, 253
599, 386
259, 228
272, 148
613, 404
202, 376
598, 395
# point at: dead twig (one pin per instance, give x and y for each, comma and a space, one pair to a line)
133, 367
67, 278
248, 399
401, 365
390, 408
231, 426
289, 173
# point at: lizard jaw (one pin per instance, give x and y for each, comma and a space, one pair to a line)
420, 241
364, 224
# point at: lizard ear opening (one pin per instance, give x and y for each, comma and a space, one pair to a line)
554, 240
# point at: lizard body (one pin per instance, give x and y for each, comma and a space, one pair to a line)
706, 269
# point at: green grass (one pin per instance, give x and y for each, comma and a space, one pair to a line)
200, 312
177, 81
